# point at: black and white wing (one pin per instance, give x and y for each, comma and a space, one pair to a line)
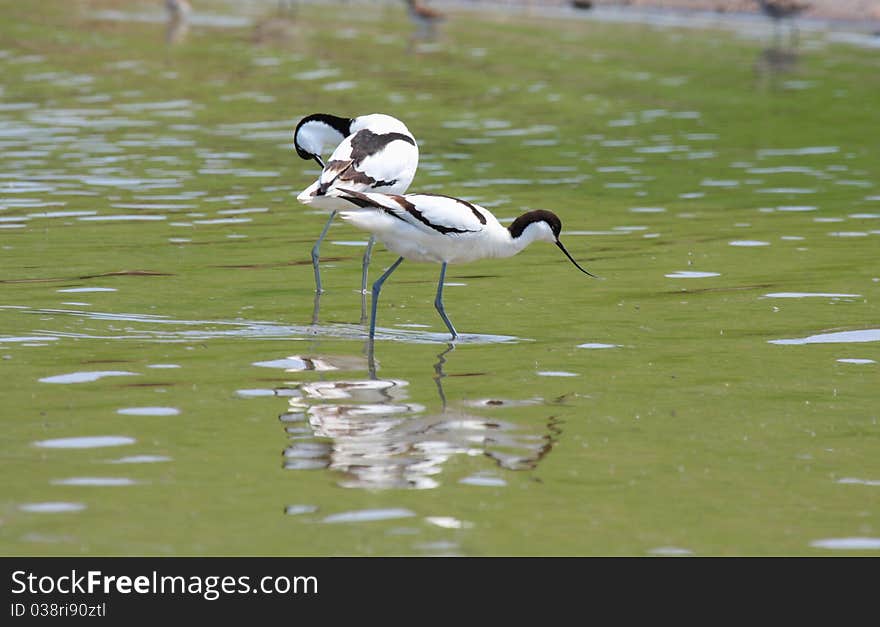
429, 213
367, 162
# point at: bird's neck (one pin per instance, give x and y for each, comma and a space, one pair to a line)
323, 131
506, 244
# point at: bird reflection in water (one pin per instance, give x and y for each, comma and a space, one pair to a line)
774, 62
375, 436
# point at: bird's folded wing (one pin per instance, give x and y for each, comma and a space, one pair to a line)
447, 214
426, 212
364, 165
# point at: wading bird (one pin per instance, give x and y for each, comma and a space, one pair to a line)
178, 20
444, 230
779, 10
371, 153
425, 18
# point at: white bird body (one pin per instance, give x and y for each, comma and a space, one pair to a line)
437, 229
444, 230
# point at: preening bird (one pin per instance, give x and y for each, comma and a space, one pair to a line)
441, 229
371, 153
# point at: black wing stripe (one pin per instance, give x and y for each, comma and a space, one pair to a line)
366, 143
414, 212
363, 201
473, 209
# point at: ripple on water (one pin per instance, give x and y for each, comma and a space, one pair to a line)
854, 481
122, 218
691, 274
296, 510
140, 459
856, 361
796, 208
597, 345
839, 337
296, 363
93, 441
485, 481
148, 411
556, 373
27, 338
854, 543
747, 243
719, 183
52, 507
670, 551
61, 214
848, 234
223, 221
369, 515
254, 393
448, 522
313, 75
787, 190
810, 295
339, 86
95, 481
86, 377
498, 402
791, 152
87, 289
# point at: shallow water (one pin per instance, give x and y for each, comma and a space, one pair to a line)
174, 388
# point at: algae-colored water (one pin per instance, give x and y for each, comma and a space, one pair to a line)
167, 392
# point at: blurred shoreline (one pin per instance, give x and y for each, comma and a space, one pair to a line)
844, 10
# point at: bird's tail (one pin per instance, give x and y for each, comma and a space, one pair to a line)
307, 195
372, 220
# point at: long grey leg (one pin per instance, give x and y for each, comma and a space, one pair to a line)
316, 308
438, 302
316, 253
377, 287
368, 253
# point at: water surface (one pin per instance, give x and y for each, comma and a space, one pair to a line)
174, 388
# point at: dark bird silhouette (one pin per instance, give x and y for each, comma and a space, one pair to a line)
425, 18
779, 10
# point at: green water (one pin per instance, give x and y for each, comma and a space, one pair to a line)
638, 414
